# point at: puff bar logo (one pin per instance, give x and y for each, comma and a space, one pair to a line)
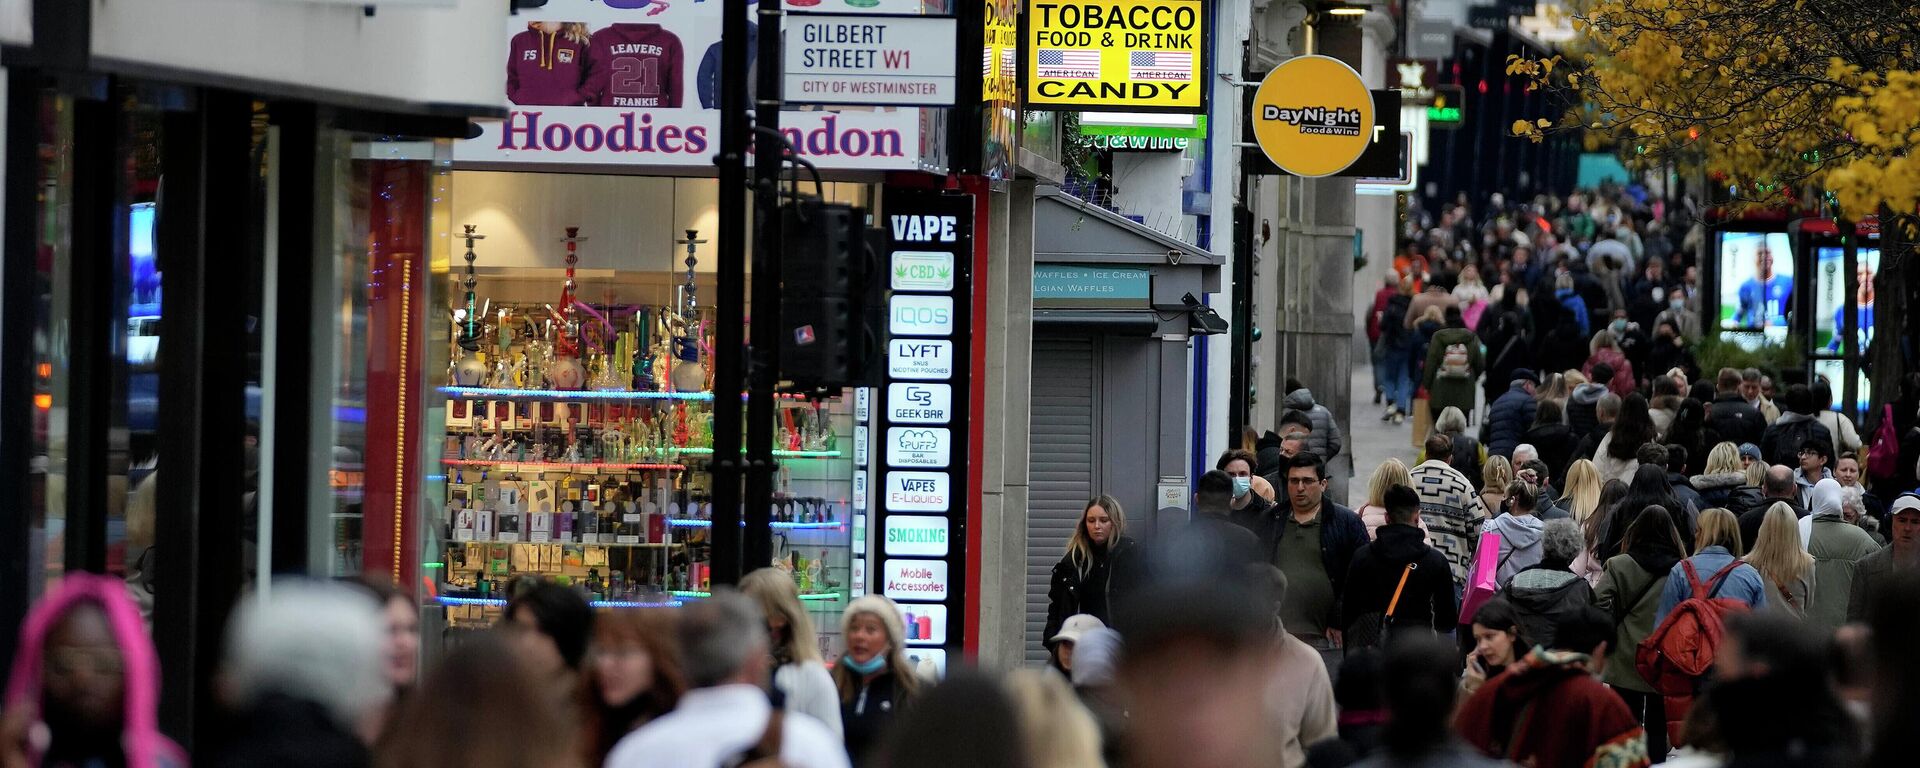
1320, 121
930, 448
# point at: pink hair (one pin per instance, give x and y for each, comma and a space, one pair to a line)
141, 741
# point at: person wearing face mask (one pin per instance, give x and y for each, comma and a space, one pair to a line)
1246, 504
874, 677
1101, 566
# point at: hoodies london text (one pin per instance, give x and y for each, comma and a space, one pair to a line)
140, 740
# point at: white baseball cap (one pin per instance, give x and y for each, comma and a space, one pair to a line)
1077, 625
1906, 503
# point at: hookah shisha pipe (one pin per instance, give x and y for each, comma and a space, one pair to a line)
469, 370
566, 372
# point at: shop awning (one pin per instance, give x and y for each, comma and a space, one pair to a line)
1134, 278
1068, 230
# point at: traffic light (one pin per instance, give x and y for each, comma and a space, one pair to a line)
828, 317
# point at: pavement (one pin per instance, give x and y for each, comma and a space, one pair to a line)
1371, 440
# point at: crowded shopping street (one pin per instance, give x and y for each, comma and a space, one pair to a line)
1189, 384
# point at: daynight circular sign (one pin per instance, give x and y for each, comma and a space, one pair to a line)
1313, 116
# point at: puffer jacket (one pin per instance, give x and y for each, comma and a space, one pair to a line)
1542, 596
1728, 491
1508, 420
1095, 589
1325, 442
1581, 407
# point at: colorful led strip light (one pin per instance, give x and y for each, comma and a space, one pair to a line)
502, 393
817, 597
494, 602
787, 526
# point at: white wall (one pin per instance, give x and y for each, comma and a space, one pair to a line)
421, 55
16, 22
1373, 215
1147, 184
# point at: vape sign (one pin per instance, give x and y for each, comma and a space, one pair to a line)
920, 499
914, 579
930, 447
915, 403
920, 316
918, 492
920, 359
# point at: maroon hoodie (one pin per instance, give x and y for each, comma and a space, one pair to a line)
635, 65
545, 69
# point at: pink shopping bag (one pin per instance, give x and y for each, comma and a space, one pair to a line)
1483, 582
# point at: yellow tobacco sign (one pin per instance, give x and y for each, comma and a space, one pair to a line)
1313, 116
1115, 55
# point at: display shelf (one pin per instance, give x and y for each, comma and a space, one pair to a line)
567, 395
495, 602
547, 466
782, 526
642, 545
810, 597
783, 454
574, 395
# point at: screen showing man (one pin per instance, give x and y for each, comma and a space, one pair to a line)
1830, 307
1756, 280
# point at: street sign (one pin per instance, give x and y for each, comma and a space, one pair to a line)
869, 60
1449, 107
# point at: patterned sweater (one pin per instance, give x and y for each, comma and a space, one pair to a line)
1452, 513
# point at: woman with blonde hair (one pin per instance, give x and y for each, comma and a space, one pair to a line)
1581, 496
1716, 565
874, 677
798, 672
1390, 473
1101, 564
1782, 561
1724, 483
1055, 729
1495, 477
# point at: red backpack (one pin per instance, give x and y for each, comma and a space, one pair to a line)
1679, 653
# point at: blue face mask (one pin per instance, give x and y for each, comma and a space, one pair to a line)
868, 667
1242, 486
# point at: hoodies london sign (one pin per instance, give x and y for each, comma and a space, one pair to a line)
1312, 116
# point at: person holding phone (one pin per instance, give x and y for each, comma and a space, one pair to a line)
1496, 644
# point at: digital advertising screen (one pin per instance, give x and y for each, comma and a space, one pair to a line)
1756, 281
1835, 373
1830, 297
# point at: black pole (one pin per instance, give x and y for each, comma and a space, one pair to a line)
19, 294
1849, 325
756, 548
730, 303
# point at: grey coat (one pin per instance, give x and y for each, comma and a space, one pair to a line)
1326, 441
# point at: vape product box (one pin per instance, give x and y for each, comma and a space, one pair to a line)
464, 522
483, 525
507, 526
540, 527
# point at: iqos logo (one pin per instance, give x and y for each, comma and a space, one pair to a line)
921, 316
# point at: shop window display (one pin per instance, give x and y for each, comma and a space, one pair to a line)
578, 418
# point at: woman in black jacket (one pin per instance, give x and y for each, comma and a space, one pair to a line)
1100, 565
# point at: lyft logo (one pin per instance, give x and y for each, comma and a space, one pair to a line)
920, 359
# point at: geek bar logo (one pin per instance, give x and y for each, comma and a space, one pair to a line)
1316, 121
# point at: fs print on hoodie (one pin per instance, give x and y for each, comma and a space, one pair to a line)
545, 69
635, 65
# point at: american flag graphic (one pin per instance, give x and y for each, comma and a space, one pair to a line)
986, 61
1160, 65
1070, 64
1009, 63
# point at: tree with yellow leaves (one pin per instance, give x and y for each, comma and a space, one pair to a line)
1787, 102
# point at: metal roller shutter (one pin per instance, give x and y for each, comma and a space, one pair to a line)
1061, 466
